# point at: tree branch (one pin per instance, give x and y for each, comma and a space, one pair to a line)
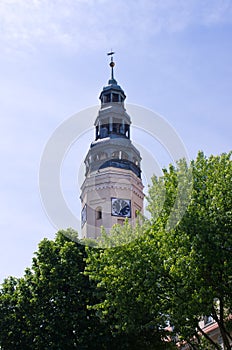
208, 338
221, 325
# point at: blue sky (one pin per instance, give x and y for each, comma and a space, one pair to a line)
173, 57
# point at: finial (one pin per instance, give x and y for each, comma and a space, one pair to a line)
111, 53
112, 64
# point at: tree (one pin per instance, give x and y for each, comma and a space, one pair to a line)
132, 276
174, 269
197, 253
178, 267
48, 307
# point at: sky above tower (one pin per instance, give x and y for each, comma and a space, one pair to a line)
172, 57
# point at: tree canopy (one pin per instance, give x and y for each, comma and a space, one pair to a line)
180, 268
48, 307
200, 262
146, 287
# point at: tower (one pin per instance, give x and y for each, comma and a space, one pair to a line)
112, 189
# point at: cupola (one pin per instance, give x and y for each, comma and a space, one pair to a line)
112, 92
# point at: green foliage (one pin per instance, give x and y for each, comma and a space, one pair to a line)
123, 291
48, 307
121, 234
133, 279
179, 267
197, 254
170, 194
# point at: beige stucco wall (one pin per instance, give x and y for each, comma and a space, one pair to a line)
97, 191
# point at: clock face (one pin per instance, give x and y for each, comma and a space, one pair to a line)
83, 215
121, 207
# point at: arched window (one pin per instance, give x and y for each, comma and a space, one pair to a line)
102, 155
116, 125
136, 161
104, 132
124, 155
115, 155
127, 131
99, 213
96, 157
106, 98
120, 155
115, 98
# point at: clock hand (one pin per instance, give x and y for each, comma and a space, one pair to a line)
120, 207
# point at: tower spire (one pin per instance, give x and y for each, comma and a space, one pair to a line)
112, 190
112, 64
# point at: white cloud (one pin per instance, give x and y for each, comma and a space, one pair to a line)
73, 24
218, 12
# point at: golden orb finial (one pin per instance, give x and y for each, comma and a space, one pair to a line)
112, 64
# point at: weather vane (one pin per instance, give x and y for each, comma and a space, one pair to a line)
111, 53
112, 64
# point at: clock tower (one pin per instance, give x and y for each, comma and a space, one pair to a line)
112, 190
